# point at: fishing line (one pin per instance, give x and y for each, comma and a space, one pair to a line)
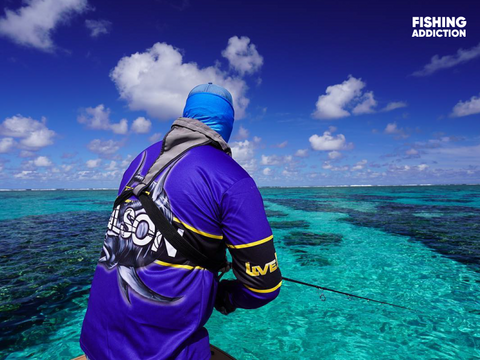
323, 298
228, 267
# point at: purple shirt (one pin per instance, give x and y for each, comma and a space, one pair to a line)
215, 205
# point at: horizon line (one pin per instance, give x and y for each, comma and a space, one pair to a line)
267, 186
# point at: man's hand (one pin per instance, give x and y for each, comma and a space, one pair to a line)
222, 301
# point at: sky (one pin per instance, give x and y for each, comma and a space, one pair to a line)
325, 93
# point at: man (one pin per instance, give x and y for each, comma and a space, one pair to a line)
149, 299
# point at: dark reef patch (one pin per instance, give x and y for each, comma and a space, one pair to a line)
306, 205
305, 258
296, 239
444, 199
454, 233
312, 259
301, 238
274, 213
295, 224
47, 262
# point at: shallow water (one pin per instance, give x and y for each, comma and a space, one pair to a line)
414, 246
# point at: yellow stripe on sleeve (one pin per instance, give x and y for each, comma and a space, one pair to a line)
255, 243
189, 227
264, 291
179, 266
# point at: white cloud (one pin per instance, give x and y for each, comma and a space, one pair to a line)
33, 24
243, 152
98, 27
158, 82
331, 105
394, 105
448, 61
347, 98
120, 128
42, 161
301, 153
422, 167
359, 165
393, 129
38, 139
6, 144
242, 133
242, 56
34, 134
288, 173
155, 137
400, 168
334, 155
328, 166
469, 107
104, 148
111, 167
93, 163
366, 106
98, 118
141, 125
327, 142
270, 160
281, 145
66, 168
411, 152
275, 159
25, 175
267, 171
126, 162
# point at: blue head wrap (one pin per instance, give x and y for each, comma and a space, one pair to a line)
212, 105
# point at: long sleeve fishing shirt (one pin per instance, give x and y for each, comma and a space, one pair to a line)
147, 301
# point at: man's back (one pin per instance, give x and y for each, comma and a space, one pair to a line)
147, 300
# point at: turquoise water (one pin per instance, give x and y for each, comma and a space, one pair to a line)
414, 246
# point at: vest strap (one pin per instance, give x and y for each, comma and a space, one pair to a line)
184, 135
175, 239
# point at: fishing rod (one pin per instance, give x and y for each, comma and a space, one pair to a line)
322, 297
342, 293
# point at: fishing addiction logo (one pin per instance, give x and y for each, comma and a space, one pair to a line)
441, 26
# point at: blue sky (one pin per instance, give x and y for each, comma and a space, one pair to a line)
326, 93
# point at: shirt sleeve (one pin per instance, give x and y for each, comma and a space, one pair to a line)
249, 239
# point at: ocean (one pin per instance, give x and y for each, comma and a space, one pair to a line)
415, 246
